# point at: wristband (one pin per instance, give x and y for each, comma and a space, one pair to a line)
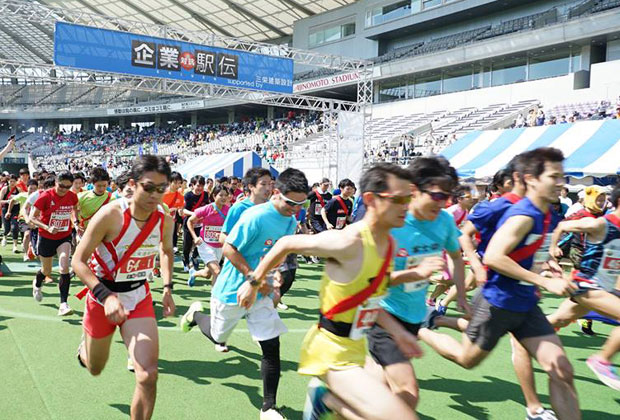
101, 292
169, 285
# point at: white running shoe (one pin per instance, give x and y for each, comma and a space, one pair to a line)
282, 306
188, 318
64, 309
272, 414
3, 241
223, 348
36, 291
130, 366
541, 414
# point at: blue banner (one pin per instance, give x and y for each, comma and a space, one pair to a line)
89, 48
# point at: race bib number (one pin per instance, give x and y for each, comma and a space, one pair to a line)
609, 269
340, 222
137, 268
212, 234
61, 221
317, 209
412, 262
365, 317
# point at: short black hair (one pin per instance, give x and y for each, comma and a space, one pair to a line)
459, 192
32, 181
253, 174
433, 170
375, 179
79, 175
534, 161
218, 189
500, 178
123, 179
346, 183
99, 174
65, 176
49, 182
149, 163
13, 177
325, 181
24, 171
197, 179
292, 180
223, 179
175, 176
615, 195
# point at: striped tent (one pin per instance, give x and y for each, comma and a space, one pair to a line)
225, 164
591, 148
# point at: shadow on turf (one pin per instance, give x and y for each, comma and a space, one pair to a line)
2, 319
123, 408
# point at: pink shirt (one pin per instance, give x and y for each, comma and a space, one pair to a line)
458, 213
212, 222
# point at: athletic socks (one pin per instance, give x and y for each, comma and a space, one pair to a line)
39, 279
63, 286
270, 371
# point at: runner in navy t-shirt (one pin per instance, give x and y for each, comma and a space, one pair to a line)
509, 300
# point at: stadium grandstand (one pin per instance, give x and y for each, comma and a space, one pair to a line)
331, 88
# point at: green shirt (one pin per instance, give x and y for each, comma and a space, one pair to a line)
89, 204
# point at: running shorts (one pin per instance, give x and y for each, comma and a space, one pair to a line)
48, 247
382, 346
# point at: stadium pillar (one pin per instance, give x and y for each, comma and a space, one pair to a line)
122, 122
52, 127
14, 127
157, 120
270, 112
85, 125
231, 116
194, 119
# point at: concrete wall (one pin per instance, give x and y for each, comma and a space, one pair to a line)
613, 50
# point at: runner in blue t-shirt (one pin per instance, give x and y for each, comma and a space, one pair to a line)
427, 232
508, 301
250, 239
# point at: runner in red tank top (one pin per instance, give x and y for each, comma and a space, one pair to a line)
114, 260
52, 214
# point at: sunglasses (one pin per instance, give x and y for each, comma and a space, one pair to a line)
292, 203
64, 186
437, 196
396, 199
151, 188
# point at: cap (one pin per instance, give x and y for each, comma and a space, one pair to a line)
582, 194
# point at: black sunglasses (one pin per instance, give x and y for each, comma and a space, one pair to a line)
437, 196
151, 188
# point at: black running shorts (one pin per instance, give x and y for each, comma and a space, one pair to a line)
47, 247
490, 323
382, 346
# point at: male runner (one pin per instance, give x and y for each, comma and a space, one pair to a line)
24, 177
173, 198
79, 181
336, 213
429, 230
255, 233
318, 199
22, 219
508, 300
194, 199
114, 259
355, 279
211, 217
9, 219
91, 201
258, 181
52, 214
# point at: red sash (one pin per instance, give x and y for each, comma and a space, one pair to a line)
202, 195
320, 198
529, 250
513, 198
358, 298
343, 206
613, 219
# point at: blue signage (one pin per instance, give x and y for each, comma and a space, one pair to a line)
89, 48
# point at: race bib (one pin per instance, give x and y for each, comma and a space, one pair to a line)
340, 222
61, 221
317, 209
138, 267
365, 317
609, 270
212, 234
412, 262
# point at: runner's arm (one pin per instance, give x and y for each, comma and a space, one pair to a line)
94, 235
503, 242
190, 226
9, 146
324, 217
166, 257
222, 238
406, 341
236, 259
587, 225
458, 277
35, 219
11, 205
423, 271
2, 194
467, 244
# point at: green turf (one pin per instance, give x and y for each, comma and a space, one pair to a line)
41, 378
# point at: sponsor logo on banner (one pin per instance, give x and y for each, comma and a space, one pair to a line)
150, 109
326, 82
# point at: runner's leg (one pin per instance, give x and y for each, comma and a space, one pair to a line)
602, 302
140, 337
522, 363
611, 346
466, 354
64, 254
214, 268
567, 313
550, 355
470, 284
95, 352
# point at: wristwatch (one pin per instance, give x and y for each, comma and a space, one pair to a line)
252, 280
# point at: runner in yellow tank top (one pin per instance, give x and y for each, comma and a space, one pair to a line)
335, 351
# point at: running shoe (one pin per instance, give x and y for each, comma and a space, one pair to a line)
272, 414
541, 414
185, 269
3, 241
64, 309
188, 319
36, 291
440, 308
429, 320
315, 260
15, 250
605, 371
79, 351
315, 408
222, 348
430, 302
130, 366
586, 327
195, 263
282, 306
191, 280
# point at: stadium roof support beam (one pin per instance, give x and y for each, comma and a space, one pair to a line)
142, 12
200, 18
17, 37
263, 22
299, 7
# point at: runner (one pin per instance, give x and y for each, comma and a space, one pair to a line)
22, 219
9, 220
508, 300
79, 181
336, 214
52, 214
318, 198
235, 191
355, 279
258, 181
211, 217
600, 363
24, 177
429, 231
253, 235
48, 183
194, 199
114, 260
173, 198
91, 201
